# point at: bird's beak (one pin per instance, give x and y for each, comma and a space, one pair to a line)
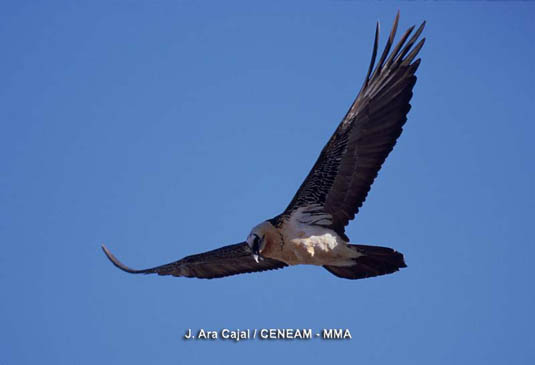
256, 253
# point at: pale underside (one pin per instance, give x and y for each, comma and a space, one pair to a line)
304, 239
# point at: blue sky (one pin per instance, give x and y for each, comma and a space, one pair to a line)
169, 128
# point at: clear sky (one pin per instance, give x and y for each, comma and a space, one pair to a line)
166, 128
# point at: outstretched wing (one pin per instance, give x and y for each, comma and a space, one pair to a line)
224, 261
347, 166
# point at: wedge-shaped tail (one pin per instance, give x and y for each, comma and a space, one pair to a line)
375, 261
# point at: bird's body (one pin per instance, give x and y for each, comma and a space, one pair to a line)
299, 241
311, 230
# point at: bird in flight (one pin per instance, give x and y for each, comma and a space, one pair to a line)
312, 228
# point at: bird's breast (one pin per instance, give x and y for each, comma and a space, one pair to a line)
304, 243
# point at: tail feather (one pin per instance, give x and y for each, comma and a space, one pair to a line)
375, 261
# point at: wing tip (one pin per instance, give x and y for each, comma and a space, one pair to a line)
119, 264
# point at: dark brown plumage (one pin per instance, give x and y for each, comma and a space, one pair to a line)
376, 261
224, 261
349, 163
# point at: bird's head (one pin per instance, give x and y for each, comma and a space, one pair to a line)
259, 237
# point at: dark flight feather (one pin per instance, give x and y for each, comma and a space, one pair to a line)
347, 166
225, 261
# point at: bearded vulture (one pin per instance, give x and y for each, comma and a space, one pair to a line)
311, 230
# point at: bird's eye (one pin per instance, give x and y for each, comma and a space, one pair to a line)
256, 239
